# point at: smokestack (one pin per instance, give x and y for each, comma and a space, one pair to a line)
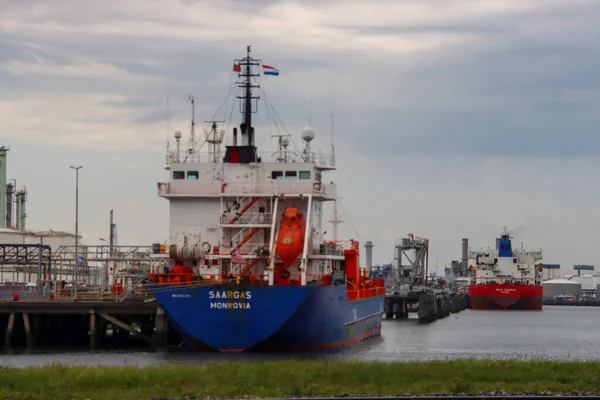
3, 154
369, 255
21, 212
10, 189
465, 251
111, 234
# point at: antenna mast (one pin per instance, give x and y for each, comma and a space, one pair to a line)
333, 132
214, 137
245, 152
335, 221
246, 127
192, 142
168, 147
310, 111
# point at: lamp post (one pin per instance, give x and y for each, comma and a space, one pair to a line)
76, 168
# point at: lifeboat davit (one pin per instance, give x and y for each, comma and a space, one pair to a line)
290, 240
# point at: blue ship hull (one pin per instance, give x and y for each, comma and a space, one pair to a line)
269, 318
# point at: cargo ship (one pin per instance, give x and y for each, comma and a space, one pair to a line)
505, 278
251, 268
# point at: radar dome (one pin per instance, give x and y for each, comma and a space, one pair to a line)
285, 141
177, 135
308, 134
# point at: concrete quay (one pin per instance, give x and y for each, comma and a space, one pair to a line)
430, 304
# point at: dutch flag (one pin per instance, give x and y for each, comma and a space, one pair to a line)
268, 70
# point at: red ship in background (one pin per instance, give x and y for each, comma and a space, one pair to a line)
505, 278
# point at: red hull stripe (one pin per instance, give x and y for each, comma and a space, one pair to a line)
373, 332
370, 333
490, 303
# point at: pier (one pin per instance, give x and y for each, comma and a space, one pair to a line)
49, 300
571, 303
409, 291
48, 323
429, 304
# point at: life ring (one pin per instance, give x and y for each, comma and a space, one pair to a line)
162, 186
540, 268
317, 186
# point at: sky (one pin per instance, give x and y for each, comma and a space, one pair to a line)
452, 119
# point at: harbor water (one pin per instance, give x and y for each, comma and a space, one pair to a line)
557, 332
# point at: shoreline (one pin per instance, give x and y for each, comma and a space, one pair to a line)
299, 378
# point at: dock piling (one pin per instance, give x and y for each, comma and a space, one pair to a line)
93, 332
28, 335
160, 334
428, 310
9, 330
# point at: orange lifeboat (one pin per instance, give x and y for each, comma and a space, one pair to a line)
290, 240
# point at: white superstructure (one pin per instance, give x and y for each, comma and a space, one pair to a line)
505, 263
227, 202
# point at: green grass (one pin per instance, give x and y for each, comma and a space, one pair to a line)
296, 378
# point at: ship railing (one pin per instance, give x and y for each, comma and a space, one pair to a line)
362, 293
348, 244
328, 249
276, 186
171, 280
290, 156
54, 291
528, 281
251, 249
247, 218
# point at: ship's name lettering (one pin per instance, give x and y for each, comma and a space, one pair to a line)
230, 306
229, 294
505, 291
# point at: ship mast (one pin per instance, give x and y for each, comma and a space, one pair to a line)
246, 84
245, 152
335, 221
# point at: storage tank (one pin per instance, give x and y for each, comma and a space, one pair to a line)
587, 281
562, 287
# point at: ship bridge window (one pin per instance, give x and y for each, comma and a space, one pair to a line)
290, 174
178, 174
304, 175
192, 174
276, 174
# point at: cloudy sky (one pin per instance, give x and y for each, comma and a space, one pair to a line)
452, 118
